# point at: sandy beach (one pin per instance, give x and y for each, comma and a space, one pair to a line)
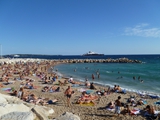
14, 73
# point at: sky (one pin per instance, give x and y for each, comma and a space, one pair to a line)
74, 27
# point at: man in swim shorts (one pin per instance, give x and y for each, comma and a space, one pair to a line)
68, 93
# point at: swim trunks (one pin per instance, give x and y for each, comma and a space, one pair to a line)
117, 110
68, 96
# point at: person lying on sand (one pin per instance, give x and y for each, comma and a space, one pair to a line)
14, 93
45, 89
139, 102
33, 99
54, 89
132, 100
85, 102
150, 111
46, 102
126, 110
29, 85
111, 105
1, 85
87, 97
62, 83
75, 82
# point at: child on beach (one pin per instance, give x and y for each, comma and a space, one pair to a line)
118, 105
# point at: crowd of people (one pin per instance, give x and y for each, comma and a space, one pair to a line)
21, 72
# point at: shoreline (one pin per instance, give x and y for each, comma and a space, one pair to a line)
78, 79
84, 112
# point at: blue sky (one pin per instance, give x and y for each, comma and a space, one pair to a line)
74, 27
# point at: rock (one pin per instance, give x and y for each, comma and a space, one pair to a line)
8, 108
68, 116
18, 116
42, 112
3, 100
12, 108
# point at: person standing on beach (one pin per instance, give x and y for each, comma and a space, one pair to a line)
68, 93
118, 105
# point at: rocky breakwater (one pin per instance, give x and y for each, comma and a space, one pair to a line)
12, 108
119, 60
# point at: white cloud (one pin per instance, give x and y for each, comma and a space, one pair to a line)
142, 30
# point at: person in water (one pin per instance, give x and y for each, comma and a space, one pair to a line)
92, 76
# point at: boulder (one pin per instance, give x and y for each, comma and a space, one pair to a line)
8, 108
68, 116
17, 116
42, 112
12, 108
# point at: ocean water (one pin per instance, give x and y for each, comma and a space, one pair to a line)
119, 73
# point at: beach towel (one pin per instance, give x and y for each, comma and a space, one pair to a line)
77, 85
135, 111
144, 102
7, 89
87, 104
88, 91
81, 90
112, 110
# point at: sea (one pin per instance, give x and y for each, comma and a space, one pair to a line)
136, 77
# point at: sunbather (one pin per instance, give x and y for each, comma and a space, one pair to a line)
111, 105
150, 111
126, 110
14, 93
1, 85
84, 102
87, 97
33, 99
44, 102
45, 89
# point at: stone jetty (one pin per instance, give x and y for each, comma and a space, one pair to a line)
109, 60
119, 60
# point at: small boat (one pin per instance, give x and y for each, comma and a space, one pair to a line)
90, 53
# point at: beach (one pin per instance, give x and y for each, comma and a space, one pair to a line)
35, 69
